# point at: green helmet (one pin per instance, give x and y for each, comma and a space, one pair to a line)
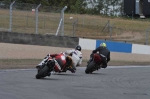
103, 44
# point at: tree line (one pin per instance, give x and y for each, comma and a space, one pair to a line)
106, 7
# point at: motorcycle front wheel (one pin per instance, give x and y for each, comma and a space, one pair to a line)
89, 67
42, 73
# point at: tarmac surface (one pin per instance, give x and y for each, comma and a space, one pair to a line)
131, 82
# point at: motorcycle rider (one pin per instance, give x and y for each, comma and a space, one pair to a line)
104, 54
63, 59
76, 56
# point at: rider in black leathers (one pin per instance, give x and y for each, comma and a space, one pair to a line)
104, 54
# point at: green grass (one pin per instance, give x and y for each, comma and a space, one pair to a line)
32, 63
18, 63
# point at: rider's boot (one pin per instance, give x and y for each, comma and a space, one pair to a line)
104, 66
72, 69
48, 74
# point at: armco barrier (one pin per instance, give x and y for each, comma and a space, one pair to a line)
37, 39
140, 49
89, 44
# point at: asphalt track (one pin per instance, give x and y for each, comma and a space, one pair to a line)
111, 83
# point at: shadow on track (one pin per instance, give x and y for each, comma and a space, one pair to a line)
48, 78
68, 74
97, 74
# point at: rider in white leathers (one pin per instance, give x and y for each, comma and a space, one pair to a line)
76, 55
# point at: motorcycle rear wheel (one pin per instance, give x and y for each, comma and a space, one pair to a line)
42, 73
89, 67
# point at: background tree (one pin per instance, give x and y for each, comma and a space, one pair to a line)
100, 6
107, 7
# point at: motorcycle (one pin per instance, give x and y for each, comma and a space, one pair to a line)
57, 63
94, 64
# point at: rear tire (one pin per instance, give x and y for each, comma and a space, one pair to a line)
89, 67
42, 73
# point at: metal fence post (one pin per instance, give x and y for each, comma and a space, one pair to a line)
10, 12
110, 31
74, 23
36, 16
62, 16
27, 21
58, 27
107, 24
147, 36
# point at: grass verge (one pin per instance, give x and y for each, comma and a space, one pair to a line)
31, 63
18, 63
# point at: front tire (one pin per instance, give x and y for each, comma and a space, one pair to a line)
42, 73
89, 67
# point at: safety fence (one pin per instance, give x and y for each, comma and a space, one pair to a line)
29, 18
39, 19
